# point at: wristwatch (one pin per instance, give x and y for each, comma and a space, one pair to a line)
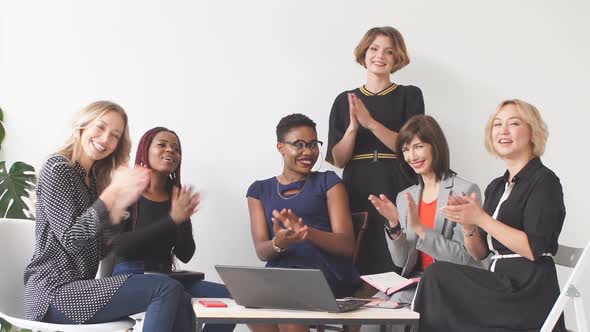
393, 231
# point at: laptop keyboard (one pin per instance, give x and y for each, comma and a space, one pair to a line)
349, 304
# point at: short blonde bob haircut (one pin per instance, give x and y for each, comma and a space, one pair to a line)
72, 149
531, 116
400, 53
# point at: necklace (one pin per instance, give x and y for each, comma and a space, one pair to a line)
297, 193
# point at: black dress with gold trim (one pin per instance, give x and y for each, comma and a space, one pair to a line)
374, 168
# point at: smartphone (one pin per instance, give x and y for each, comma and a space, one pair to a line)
212, 303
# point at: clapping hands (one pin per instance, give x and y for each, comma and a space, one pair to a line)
464, 210
126, 186
185, 203
359, 114
288, 228
386, 208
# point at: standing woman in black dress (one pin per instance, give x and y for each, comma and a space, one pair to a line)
520, 223
364, 124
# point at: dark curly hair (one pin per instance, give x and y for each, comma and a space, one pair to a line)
293, 121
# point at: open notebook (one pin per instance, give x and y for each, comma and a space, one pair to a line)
389, 282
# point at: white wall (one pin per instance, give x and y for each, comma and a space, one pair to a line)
222, 73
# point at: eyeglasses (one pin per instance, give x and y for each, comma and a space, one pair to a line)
301, 144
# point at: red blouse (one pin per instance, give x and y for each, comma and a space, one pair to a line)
426, 212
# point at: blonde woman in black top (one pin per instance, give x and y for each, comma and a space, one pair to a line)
519, 224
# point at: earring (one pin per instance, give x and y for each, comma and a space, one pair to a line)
321, 162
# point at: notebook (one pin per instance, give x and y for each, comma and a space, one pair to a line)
389, 282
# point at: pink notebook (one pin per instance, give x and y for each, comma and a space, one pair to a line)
389, 282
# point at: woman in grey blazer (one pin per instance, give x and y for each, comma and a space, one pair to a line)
418, 233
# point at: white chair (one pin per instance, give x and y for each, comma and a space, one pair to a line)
576, 258
18, 242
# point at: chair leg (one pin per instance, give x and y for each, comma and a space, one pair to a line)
580, 314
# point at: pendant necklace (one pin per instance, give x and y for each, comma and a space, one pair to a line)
297, 193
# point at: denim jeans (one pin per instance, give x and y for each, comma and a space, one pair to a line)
167, 306
194, 288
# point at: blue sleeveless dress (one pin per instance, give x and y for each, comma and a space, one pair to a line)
310, 203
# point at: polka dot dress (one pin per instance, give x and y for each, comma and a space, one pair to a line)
70, 241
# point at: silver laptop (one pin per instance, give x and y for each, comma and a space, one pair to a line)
280, 288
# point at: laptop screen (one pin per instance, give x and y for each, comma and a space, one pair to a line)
281, 288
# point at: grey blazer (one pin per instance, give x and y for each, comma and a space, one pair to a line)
444, 242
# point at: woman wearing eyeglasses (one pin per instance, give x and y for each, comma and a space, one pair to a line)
364, 124
300, 218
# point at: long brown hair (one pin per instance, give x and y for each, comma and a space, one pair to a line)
103, 168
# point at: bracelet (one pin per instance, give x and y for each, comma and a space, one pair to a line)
275, 247
470, 234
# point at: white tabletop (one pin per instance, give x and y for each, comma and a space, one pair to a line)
235, 313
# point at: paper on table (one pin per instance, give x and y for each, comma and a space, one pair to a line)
389, 282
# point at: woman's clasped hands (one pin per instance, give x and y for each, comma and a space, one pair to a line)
359, 114
126, 186
464, 210
388, 210
288, 228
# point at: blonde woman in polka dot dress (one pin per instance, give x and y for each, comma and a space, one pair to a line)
79, 208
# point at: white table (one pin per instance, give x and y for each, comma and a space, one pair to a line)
235, 314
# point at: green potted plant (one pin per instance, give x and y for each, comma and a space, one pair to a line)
16, 184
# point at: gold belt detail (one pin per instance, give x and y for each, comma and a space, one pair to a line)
374, 156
